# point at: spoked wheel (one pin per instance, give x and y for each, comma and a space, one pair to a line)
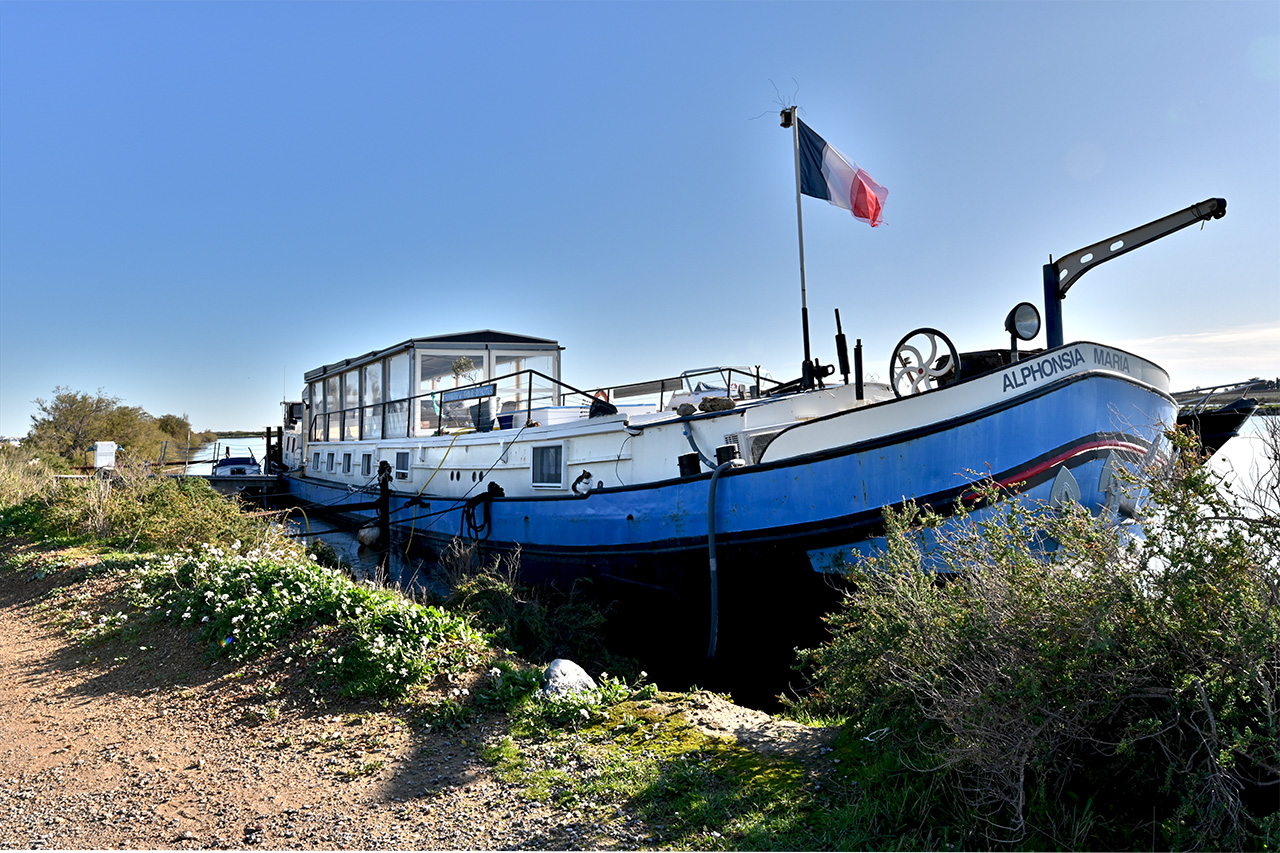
922, 361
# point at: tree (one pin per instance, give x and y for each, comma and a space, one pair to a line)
174, 426
71, 422
67, 425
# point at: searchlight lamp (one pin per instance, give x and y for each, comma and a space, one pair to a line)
1023, 323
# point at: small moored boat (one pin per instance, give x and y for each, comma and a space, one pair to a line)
236, 466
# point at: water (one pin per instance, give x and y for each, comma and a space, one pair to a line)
201, 461
1248, 464
413, 574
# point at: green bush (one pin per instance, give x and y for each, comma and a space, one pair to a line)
540, 623
378, 643
23, 477
1065, 688
134, 509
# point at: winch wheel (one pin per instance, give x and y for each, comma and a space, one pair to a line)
921, 361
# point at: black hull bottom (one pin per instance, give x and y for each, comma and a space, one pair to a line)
768, 603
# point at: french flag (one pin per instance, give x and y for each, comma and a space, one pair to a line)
826, 173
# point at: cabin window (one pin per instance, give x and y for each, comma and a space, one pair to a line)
329, 463
438, 371
315, 396
346, 463
402, 464
332, 408
366, 465
351, 405
399, 380
548, 466
524, 391
396, 419
399, 390
441, 371
372, 399
315, 461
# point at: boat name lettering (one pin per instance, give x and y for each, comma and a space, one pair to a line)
1043, 368
469, 393
1113, 360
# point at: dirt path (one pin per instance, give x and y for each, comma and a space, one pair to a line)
161, 750
143, 744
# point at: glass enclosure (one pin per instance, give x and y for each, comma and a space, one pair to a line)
403, 391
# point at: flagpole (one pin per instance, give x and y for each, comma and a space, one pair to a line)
790, 119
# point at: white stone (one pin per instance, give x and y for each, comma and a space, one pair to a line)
565, 677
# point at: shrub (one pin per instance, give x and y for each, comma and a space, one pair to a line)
1068, 688
23, 477
379, 644
541, 623
132, 508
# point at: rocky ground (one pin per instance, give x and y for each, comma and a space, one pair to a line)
148, 746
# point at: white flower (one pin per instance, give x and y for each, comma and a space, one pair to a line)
204, 619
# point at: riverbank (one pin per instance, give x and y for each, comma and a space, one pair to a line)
134, 738
147, 746
178, 673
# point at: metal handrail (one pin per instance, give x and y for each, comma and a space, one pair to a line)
560, 389
1200, 403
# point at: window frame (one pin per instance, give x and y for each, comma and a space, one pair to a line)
534, 468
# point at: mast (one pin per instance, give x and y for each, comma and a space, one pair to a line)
789, 119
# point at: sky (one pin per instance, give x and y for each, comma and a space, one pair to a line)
201, 201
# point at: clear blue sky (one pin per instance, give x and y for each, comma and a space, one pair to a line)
200, 201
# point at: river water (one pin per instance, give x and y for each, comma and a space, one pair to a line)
1249, 462
202, 459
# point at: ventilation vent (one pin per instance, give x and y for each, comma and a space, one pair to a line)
759, 443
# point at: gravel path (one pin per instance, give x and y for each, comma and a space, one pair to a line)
150, 747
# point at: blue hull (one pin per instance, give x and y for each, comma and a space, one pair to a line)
823, 507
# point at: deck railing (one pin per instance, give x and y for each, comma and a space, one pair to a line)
471, 405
